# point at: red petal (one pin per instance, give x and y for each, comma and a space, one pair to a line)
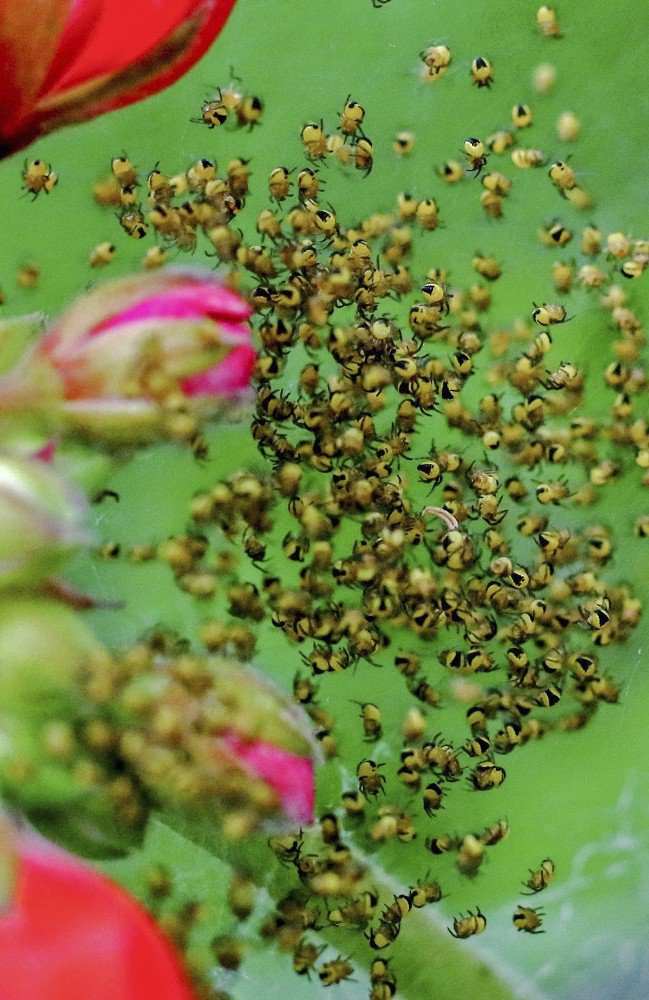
120, 38
29, 36
110, 54
73, 935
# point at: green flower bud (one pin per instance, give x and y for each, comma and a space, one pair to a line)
43, 645
41, 521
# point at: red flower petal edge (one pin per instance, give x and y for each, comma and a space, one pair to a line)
68, 60
71, 934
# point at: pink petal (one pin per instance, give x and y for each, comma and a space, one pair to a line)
47, 452
290, 776
191, 300
227, 378
101, 308
208, 290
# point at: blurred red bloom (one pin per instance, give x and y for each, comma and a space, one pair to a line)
70, 934
64, 61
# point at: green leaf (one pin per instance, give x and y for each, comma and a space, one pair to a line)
199, 875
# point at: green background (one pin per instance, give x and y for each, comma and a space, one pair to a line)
582, 799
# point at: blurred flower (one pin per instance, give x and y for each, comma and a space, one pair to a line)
68, 60
41, 520
66, 931
204, 737
129, 356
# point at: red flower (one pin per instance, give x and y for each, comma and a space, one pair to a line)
70, 934
64, 61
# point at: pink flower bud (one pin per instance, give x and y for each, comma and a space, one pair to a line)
130, 351
242, 747
68, 60
66, 931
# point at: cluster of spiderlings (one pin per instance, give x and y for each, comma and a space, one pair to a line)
207, 204
497, 185
332, 427
318, 145
336, 893
212, 202
197, 200
378, 395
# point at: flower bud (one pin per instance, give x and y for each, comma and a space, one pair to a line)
132, 356
66, 931
240, 728
268, 737
44, 650
43, 647
65, 62
86, 468
95, 741
41, 521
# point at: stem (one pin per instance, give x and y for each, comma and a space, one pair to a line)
60, 590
